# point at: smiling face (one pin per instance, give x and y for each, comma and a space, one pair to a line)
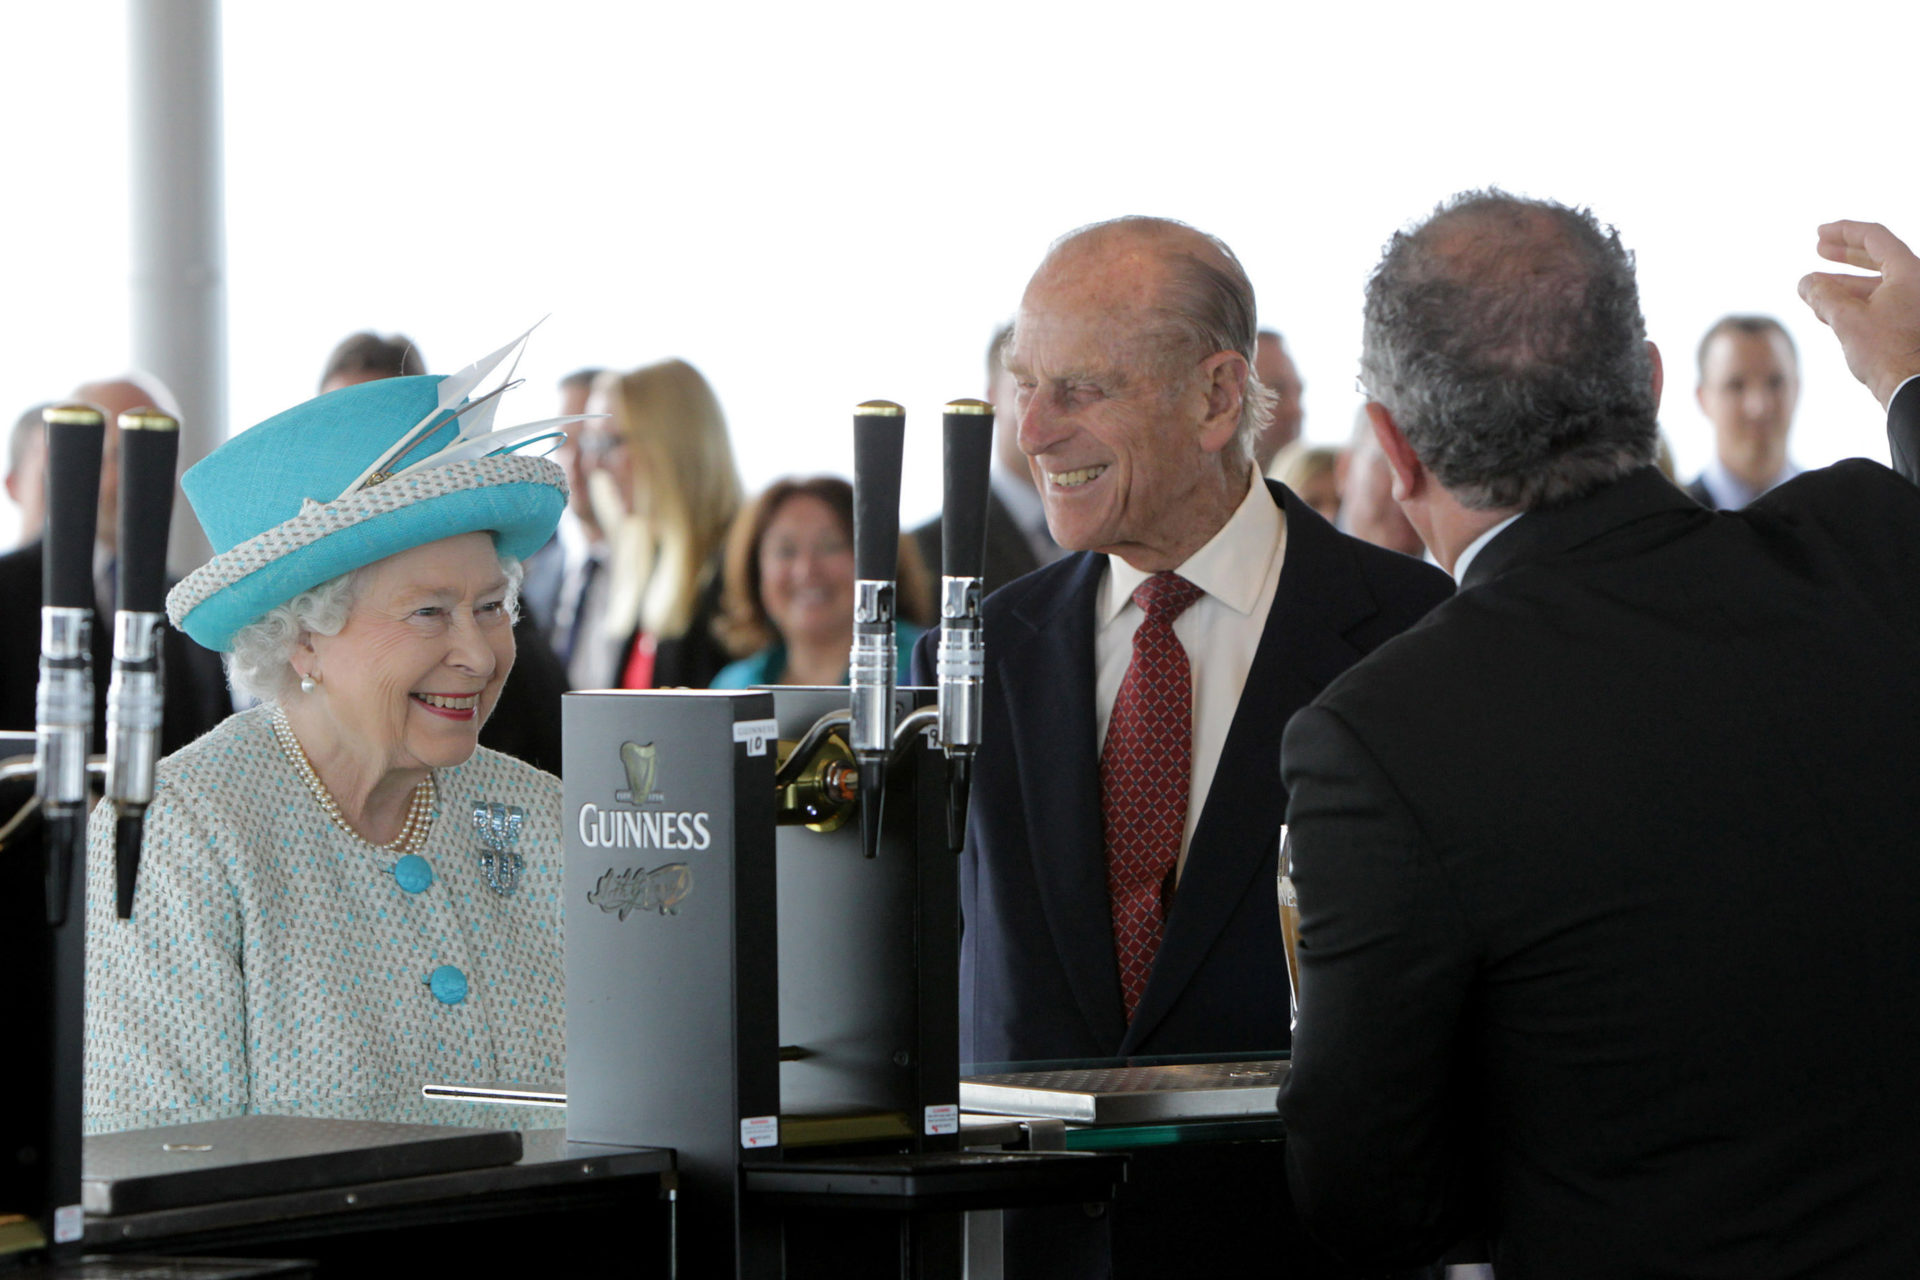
415, 672
806, 573
1127, 437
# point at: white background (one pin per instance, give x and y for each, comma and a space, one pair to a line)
825, 203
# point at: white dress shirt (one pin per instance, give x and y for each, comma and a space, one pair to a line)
1730, 493
1239, 569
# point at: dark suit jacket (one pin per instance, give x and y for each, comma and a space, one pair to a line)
1696, 489
1611, 931
1009, 555
1038, 979
196, 682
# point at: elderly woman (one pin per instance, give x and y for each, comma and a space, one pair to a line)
341, 898
788, 599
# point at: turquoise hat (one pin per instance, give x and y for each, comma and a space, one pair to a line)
352, 477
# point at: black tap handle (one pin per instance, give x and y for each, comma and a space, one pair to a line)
75, 433
879, 434
968, 430
149, 445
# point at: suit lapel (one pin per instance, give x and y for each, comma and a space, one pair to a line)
1320, 597
1048, 675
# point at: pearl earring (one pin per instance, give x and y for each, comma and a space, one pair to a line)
308, 684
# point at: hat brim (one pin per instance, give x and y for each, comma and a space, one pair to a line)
518, 500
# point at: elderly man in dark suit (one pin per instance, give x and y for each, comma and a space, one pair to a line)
1607, 869
1117, 880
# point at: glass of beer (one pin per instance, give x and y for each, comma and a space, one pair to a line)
1290, 925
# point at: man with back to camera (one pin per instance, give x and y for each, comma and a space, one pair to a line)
1606, 870
1749, 385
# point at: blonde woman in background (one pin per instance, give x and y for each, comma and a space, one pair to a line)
1308, 470
665, 489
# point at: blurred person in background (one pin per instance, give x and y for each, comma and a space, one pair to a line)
365, 357
787, 603
567, 571
1367, 507
195, 687
1274, 367
27, 472
1749, 385
1312, 472
1017, 537
665, 488
528, 726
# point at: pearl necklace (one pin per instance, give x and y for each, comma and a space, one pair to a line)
413, 832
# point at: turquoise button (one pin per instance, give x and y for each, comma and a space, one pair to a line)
449, 985
414, 873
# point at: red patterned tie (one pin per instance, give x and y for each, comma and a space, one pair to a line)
1145, 769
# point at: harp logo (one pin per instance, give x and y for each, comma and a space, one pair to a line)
639, 762
632, 822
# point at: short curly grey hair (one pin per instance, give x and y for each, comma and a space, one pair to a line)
261, 663
1505, 336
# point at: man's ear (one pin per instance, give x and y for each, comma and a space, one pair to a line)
1660, 377
1223, 378
1410, 477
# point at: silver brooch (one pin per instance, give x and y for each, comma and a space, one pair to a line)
499, 827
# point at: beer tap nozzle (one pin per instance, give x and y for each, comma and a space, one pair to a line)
879, 434
961, 657
63, 712
149, 446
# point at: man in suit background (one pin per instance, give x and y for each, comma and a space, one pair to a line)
1749, 385
1606, 869
1017, 537
1278, 374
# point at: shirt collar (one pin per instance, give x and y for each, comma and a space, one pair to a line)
1231, 567
1730, 492
1474, 548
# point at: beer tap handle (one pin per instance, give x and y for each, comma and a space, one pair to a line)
149, 446
63, 714
879, 434
961, 657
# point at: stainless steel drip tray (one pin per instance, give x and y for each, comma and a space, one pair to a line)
1130, 1095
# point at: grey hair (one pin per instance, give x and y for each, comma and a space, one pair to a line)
1504, 334
261, 662
1210, 307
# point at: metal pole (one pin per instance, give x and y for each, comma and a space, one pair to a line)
178, 200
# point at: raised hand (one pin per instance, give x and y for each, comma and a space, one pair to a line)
1876, 318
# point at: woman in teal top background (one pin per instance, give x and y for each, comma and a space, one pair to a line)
787, 603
